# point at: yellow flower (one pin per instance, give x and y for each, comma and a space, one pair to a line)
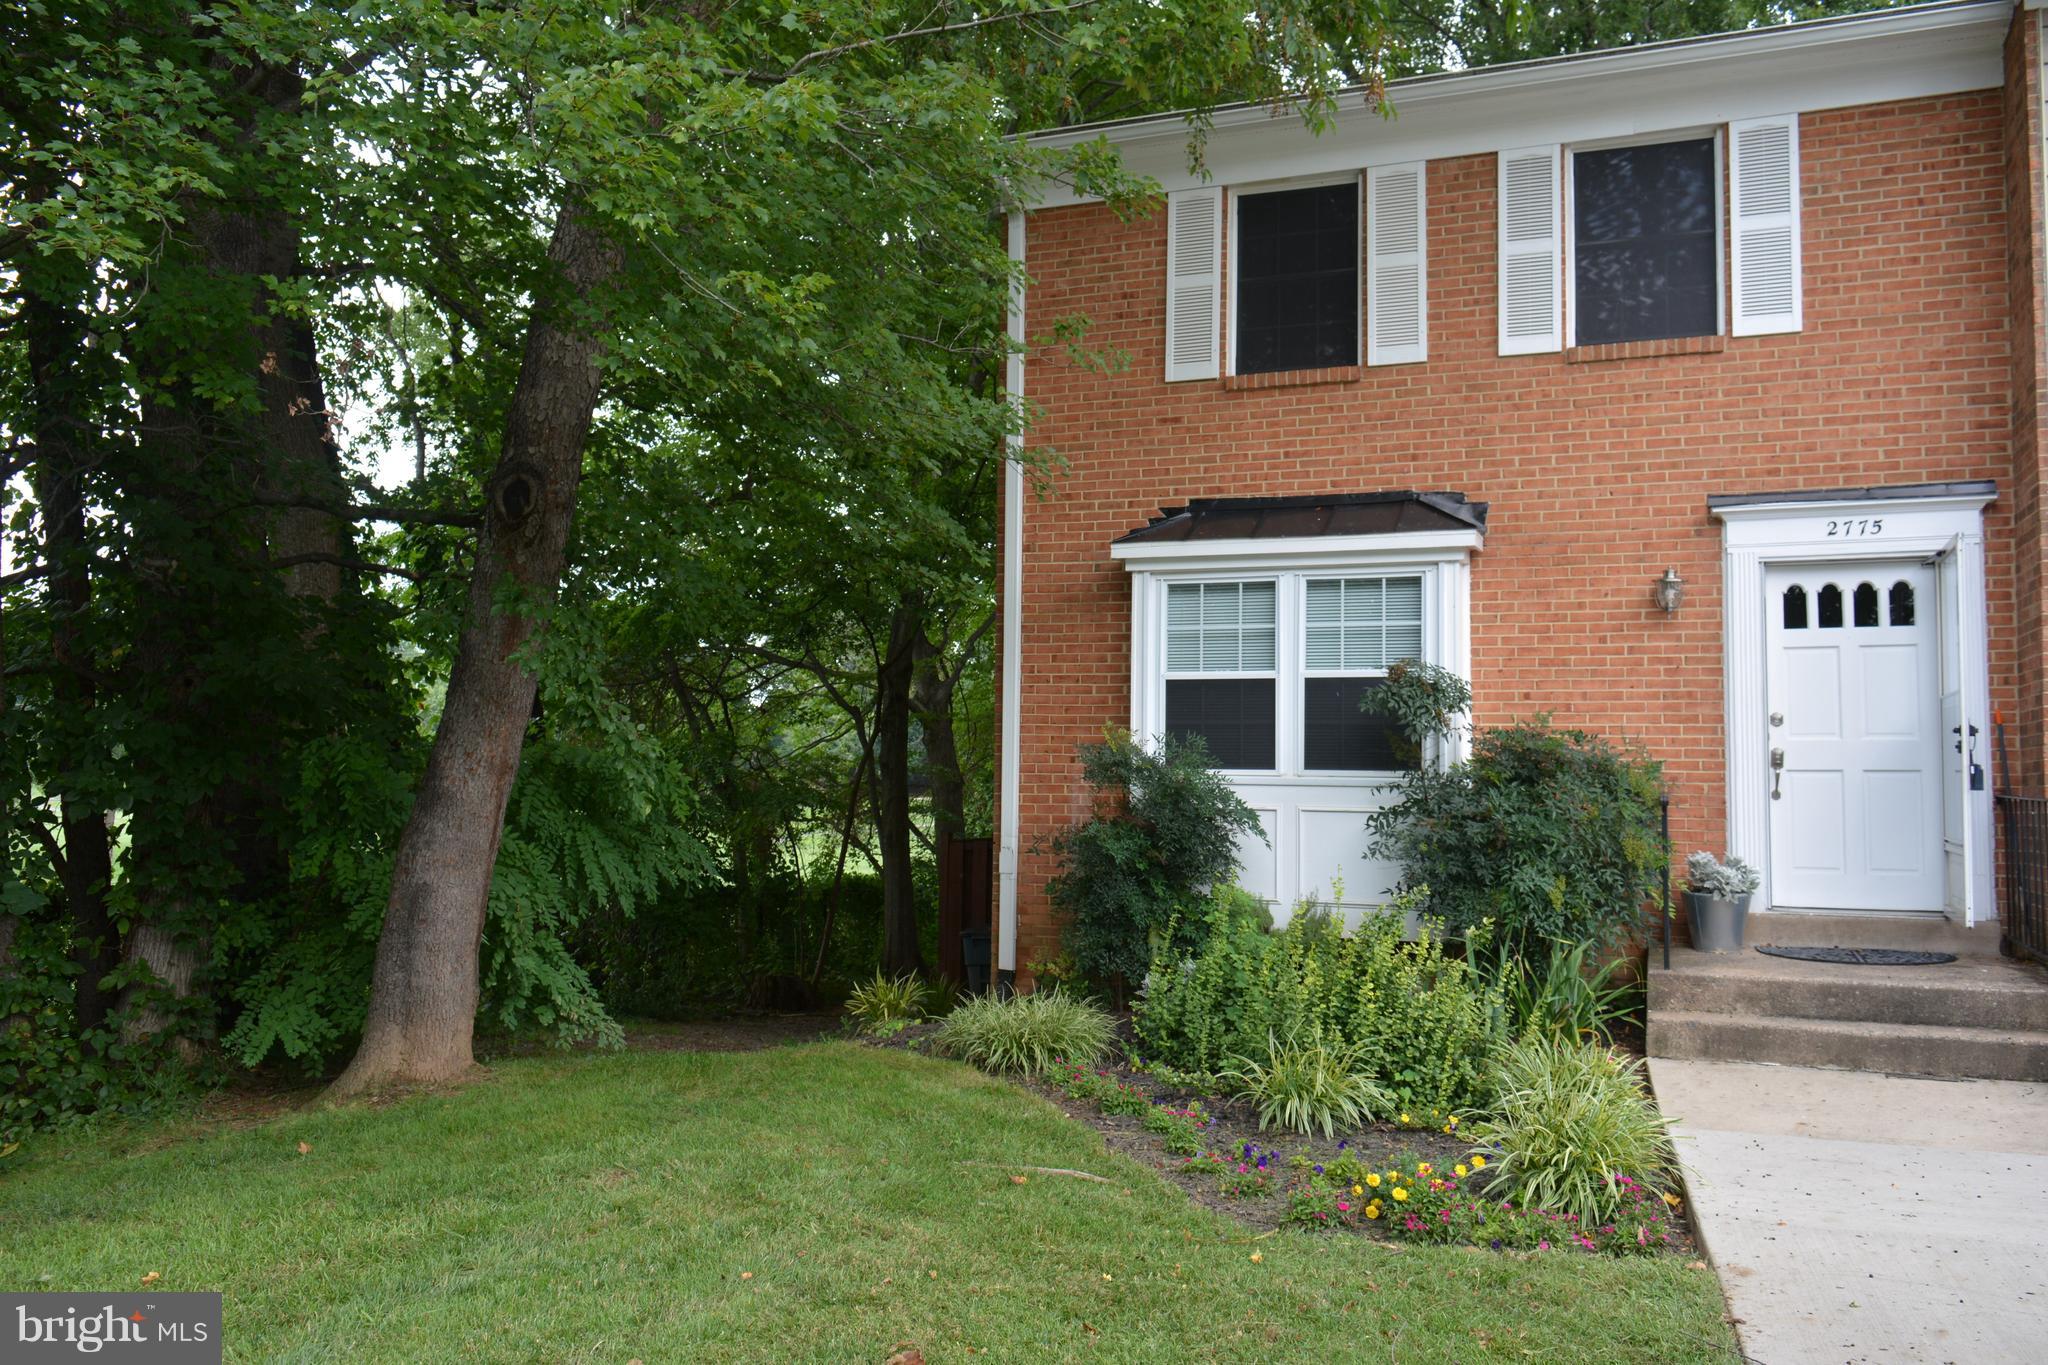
1360, 1189
1672, 1200
1405, 1118
1400, 1195
1478, 1163
1423, 1168
1372, 1210
1373, 1180
1454, 1120
1256, 1258
1447, 1128
1459, 1171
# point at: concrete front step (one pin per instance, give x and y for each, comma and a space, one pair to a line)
1930, 933
1999, 1054
1971, 992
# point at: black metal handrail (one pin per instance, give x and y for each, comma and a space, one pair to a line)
2023, 890
1664, 819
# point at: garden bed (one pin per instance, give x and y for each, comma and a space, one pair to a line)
1226, 1174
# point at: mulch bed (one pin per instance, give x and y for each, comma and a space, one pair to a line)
1233, 1123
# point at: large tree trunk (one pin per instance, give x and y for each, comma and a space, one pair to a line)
287, 454
423, 995
891, 788
55, 344
932, 699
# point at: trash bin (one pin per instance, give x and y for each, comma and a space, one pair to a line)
974, 959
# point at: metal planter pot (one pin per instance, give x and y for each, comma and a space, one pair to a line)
1716, 924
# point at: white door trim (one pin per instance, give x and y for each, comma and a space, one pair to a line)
1799, 528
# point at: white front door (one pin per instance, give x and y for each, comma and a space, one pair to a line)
1853, 687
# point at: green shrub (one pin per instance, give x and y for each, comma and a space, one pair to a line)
1548, 834
1306, 1086
1558, 995
1164, 829
1422, 700
1570, 1121
1025, 1034
883, 1005
1421, 1019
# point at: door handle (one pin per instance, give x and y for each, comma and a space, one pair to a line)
1777, 772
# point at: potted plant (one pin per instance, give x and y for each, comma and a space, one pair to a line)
1717, 901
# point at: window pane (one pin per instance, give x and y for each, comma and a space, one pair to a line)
1795, 608
1644, 235
1866, 604
1297, 279
1902, 603
1337, 736
1831, 606
1363, 623
1233, 717
1219, 627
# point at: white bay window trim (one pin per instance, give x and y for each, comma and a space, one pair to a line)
1438, 559
1314, 821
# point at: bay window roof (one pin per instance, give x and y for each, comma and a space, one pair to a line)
1329, 514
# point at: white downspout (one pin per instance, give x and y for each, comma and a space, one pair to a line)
1012, 641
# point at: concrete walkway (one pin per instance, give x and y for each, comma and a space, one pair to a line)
1859, 1217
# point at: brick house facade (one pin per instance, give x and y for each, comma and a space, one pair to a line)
1900, 386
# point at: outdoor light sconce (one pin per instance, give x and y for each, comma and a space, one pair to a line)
1669, 591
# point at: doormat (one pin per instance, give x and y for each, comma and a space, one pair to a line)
1862, 957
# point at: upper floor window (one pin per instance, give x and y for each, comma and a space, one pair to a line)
1600, 245
1645, 242
1297, 279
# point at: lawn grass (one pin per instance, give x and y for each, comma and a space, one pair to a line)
802, 1203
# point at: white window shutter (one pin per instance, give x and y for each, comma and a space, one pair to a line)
1531, 252
1396, 265
1764, 224
1194, 282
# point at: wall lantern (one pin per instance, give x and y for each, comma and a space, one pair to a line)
1669, 590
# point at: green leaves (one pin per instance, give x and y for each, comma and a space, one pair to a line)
1164, 832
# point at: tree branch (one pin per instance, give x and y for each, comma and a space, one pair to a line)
825, 53
372, 511
360, 565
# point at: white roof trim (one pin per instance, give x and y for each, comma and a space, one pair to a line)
1289, 552
1855, 59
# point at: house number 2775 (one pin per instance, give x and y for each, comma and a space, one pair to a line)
1861, 526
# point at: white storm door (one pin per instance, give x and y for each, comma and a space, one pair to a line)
1853, 661
1962, 739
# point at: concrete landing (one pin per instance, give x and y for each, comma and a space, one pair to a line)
1980, 1016
1866, 1218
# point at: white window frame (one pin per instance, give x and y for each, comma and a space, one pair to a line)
1719, 134
1431, 629
1232, 195
1165, 674
1440, 559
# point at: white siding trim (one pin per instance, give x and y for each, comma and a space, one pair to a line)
1531, 251
1763, 224
1194, 281
1397, 264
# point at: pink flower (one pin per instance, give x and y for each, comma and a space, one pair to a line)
1343, 1208
1543, 1246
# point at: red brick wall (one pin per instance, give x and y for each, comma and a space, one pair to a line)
1597, 473
2022, 151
